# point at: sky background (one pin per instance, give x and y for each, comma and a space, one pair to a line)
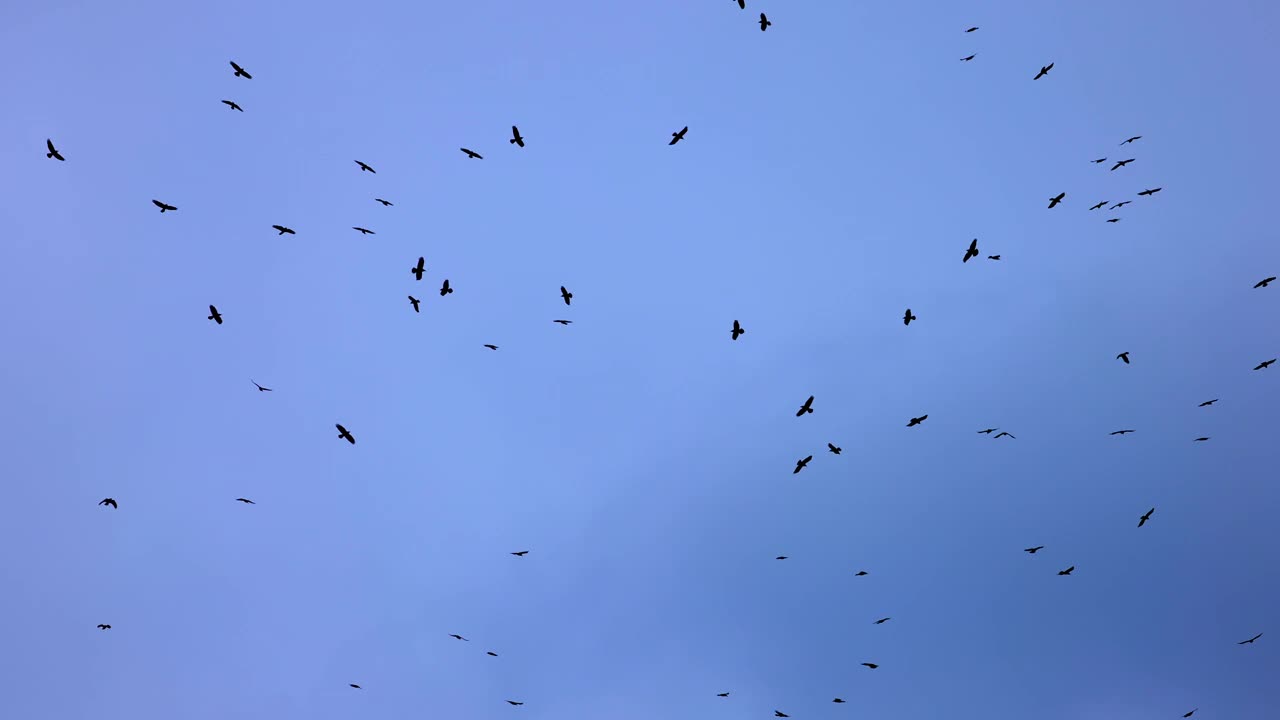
835, 169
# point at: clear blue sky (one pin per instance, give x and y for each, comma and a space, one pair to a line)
835, 169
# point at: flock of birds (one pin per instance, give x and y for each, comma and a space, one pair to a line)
418, 270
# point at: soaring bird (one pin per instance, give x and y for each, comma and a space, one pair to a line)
764, 22
445, 289
781, 557
562, 322
917, 420
907, 317
214, 315
722, 694
993, 257
1207, 403
491, 347
1200, 439
1113, 220
1250, 640
1067, 571
515, 137
53, 152
1121, 163
1099, 160
737, 330
972, 252
779, 713
873, 666
1003, 434
232, 105
363, 231
971, 29
1043, 71
1265, 365
1193, 712
366, 168
807, 407
521, 553
385, 203
833, 449
472, 154
1264, 282
246, 501
1143, 520
163, 206
967, 58
260, 388
240, 71
418, 269
344, 434
354, 685
1121, 432
513, 702
1034, 550
881, 621
109, 501
1120, 204
988, 431
837, 700
860, 573
1135, 137
801, 464
1124, 356
490, 653
284, 230
414, 302
566, 296
458, 637
1053, 201
1099, 205
1150, 191
678, 136
103, 626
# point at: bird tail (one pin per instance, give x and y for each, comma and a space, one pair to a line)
512, 141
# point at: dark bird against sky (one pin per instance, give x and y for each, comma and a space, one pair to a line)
53, 152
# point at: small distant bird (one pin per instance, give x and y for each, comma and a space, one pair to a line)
1120, 204
968, 58
1067, 571
102, 626
363, 231
873, 666
344, 434
737, 330
837, 700
385, 203
491, 347
566, 296
53, 152
860, 573
1193, 712
1143, 520
472, 154
418, 269
240, 71
458, 637
972, 252
764, 22
513, 702
284, 230
988, 431
109, 501
490, 653
807, 407
1135, 137
781, 557
1121, 432
232, 105
246, 501
1265, 365
515, 137
678, 136
1250, 640
354, 685
414, 302
1053, 201
1003, 434
562, 322
1043, 71
1200, 439
1151, 191
522, 553
801, 464
366, 168
834, 450
1113, 220
214, 315
971, 29
1099, 160
1121, 163
1099, 205
1034, 550
1124, 356
1207, 403
917, 420
163, 206
993, 257
445, 289
260, 388
1264, 282
779, 713
722, 694
881, 621
907, 317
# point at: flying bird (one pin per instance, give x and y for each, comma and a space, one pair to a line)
881, 621
1264, 282
1143, 520
214, 315
1067, 571
491, 347
363, 231
472, 154
968, 58
246, 501
722, 694
993, 257
1200, 439
522, 553
801, 464
284, 230
1207, 403
163, 206
917, 420
764, 22
458, 637
1121, 432
53, 152
445, 289
354, 685
1151, 191
414, 302
1034, 550
781, 557
1053, 201
490, 653
834, 450
566, 296
1099, 160
240, 71
385, 203
1099, 205
1120, 204
1121, 163
971, 29
737, 330
1113, 220
1043, 71
972, 252
513, 702
1265, 365
515, 137
260, 388
344, 434
860, 573
1193, 712
232, 105
807, 407
988, 431
1003, 434
907, 317
1250, 640
837, 700
1135, 137
418, 269
678, 136
779, 713
562, 322
1124, 356
873, 666
109, 501
102, 626
366, 168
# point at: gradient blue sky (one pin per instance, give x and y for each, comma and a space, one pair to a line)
834, 171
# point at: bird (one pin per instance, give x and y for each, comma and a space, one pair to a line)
345, 434
491, 347
366, 168
472, 154
1135, 137
1099, 160
490, 653
972, 252
1004, 434
562, 322
678, 136
414, 302
1067, 571
1143, 520
801, 464
513, 702
363, 231
781, 557
284, 230
1200, 439
907, 317
109, 501
1150, 191
1193, 712
1113, 220
834, 450
971, 29
260, 388
873, 666
1124, 356
246, 501
354, 685
988, 431
764, 22
1264, 282
515, 137
1043, 71
566, 296
722, 694
881, 621
1099, 205
1033, 550
214, 315
917, 420
458, 637
445, 289
807, 407
418, 269
860, 573
521, 553
232, 105
837, 700
1121, 163
103, 626
737, 330
1120, 204
53, 152
1207, 403
163, 206
1265, 365
968, 58
779, 713
1121, 432
1053, 201
993, 257
240, 71
385, 203
1250, 640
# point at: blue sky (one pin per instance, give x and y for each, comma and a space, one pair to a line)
835, 169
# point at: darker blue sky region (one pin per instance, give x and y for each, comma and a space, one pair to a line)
835, 170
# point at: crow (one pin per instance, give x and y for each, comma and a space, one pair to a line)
414, 302
260, 388
860, 573
907, 317
972, 252
1135, 137
246, 501
472, 154
1121, 432
1143, 520
807, 407
214, 315
521, 553
515, 137
418, 269
1265, 365
1151, 191
917, 420
513, 702
993, 257
1121, 164
102, 626
284, 230
1067, 571
678, 136
1264, 282
1207, 403
366, 168
1034, 550
971, 29
1053, 201
801, 464
1250, 640
491, 347
1101, 204
737, 330
1120, 204
232, 105
445, 289
764, 22
363, 231
344, 434
562, 322
1200, 439
1043, 71
722, 694
354, 685
1114, 220
53, 152
968, 58
109, 501
163, 206
1124, 356
1099, 160
566, 296
873, 666
881, 621
833, 449
385, 203
240, 71
1003, 434
459, 637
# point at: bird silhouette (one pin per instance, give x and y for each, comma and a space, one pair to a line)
515, 137
917, 420
513, 702
873, 666
833, 449
881, 621
764, 22
491, 347
678, 136
53, 152
562, 322
415, 302
490, 653
109, 501
1053, 201
103, 626
837, 700
1265, 365
737, 330
445, 289
1034, 550
366, 168
260, 388
1124, 356
1200, 439
566, 296
354, 685
1135, 137
418, 269
344, 434
1207, 403
1264, 282
1120, 204
472, 154
988, 431
781, 557
1043, 71
1113, 220
972, 252
1099, 205
458, 637
214, 315
363, 231
1121, 432
232, 105
969, 57
164, 207
860, 573
1151, 191
1121, 163
1003, 434
971, 29
993, 257
807, 407
1143, 520
1099, 160
1250, 640
907, 317
722, 694
284, 230
246, 501
385, 203
1068, 571
521, 553
779, 713
240, 71
1193, 712
801, 464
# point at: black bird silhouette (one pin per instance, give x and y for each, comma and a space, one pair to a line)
566, 295
881, 621
1150, 191
102, 626
971, 29
833, 449
109, 501
1099, 205
1193, 712
418, 269
445, 289
1113, 220
781, 557
1143, 520
284, 230
1034, 550
1120, 204
1200, 439
988, 431
490, 653
53, 152
1043, 71
993, 257
860, 573
907, 317
764, 22
385, 203
1121, 432
214, 315
513, 702
970, 57
678, 136
522, 553
1053, 201
737, 330
354, 685
366, 168
837, 700
232, 105
562, 322
344, 434
1121, 163
363, 231
240, 71
722, 694
414, 302
779, 713
1003, 434
1265, 365
1207, 403
972, 252
491, 347
260, 388
1124, 356
873, 666
1264, 282
515, 137
1067, 571
1135, 137
458, 637
917, 420
472, 154
801, 464
807, 407
163, 206
1099, 160
1250, 640
246, 501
